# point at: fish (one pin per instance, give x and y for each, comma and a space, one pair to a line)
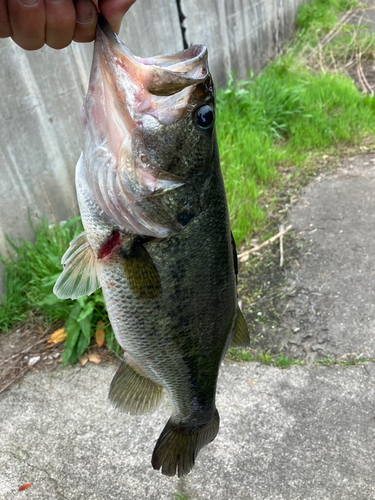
157, 238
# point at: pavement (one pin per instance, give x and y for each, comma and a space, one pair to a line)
302, 433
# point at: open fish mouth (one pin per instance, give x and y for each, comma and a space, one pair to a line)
160, 75
149, 85
126, 95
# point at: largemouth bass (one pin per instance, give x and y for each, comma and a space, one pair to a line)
157, 237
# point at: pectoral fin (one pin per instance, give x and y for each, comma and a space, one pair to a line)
141, 273
80, 274
133, 392
241, 337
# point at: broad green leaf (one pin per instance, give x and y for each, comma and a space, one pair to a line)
85, 325
81, 346
73, 333
74, 313
86, 311
49, 300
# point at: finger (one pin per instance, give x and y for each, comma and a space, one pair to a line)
60, 23
27, 19
5, 27
86, 18
114, 11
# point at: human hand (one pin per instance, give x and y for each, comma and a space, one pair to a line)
33, 23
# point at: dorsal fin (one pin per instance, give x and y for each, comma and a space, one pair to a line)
80, 274
241, 337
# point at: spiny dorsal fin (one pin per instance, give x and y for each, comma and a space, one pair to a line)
141, 273
133, 392
241, 337
80, 274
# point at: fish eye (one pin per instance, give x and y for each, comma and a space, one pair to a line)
205, 117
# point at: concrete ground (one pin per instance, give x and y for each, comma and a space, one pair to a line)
302, 433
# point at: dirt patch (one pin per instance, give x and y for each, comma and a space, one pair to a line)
322, 302
361, 66
24, 349
27, 348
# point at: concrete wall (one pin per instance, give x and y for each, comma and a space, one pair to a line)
42, 91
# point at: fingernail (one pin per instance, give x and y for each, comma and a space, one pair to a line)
84, 12
28, 3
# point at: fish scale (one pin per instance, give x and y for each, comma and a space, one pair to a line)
157, 238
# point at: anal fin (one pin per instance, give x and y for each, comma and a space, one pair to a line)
241, 337
132, 392
141, 273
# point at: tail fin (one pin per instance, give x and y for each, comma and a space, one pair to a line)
178, 448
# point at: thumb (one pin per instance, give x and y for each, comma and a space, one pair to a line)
114, 11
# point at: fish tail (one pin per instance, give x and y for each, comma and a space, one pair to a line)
177, 446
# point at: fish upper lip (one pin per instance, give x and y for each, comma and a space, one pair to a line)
162, 75
190, 56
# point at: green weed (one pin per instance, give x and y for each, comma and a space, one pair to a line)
332, 37
238, 354
257, 133
321, 16
289, 112
266, 358
285, 362
31, 270
280, 361
341, 362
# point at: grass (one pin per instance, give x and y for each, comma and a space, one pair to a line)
330, 36
284, 115
270, 130
181, 496
30, 272
266, 358
281, 361
341, 362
